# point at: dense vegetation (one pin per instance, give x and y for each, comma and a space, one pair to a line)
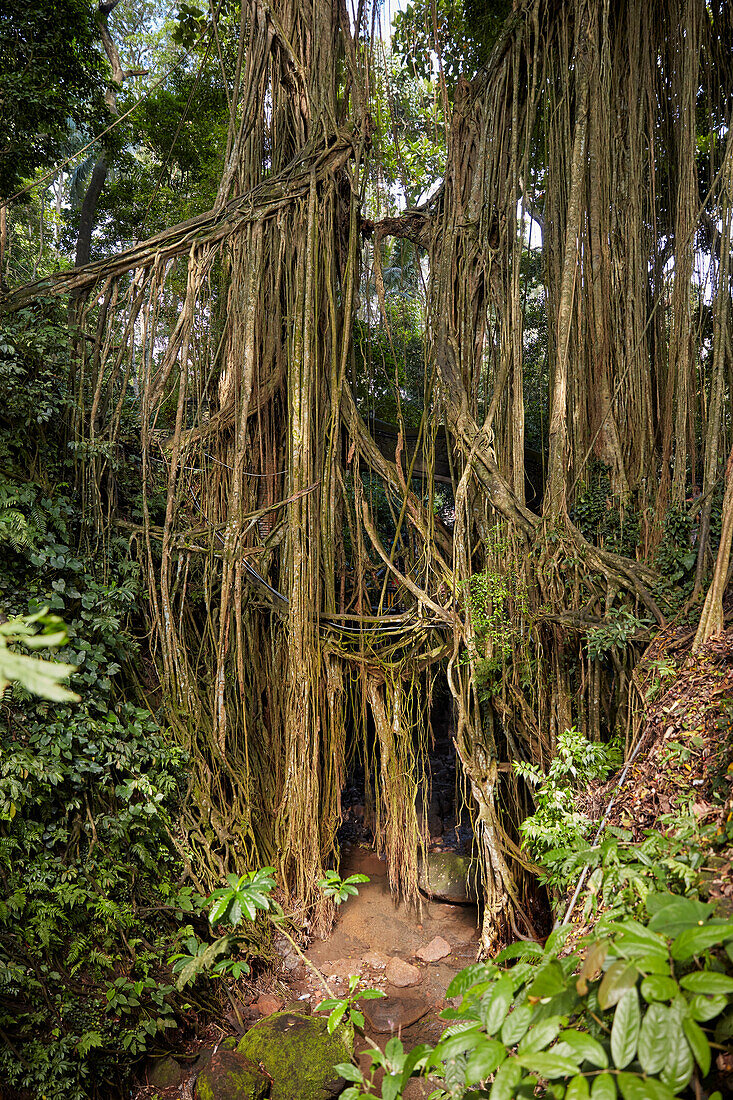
341, 374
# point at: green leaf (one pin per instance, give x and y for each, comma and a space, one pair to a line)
519, 951
548, 1065
88, 1041
707, 981
469, 977
636, 1088
484, 1060
549, 981
556, 939
508, 1076
654, 1038
39, 677
202, 962
336, 1016
464, 1041
516, 1024
221, 906
415, 1057
724, 1028
603, 1088
659, 988
391, 1086
619, 979
577, 1088
699, 1044
693, 941
677, 1072
707, 1008
349, 1072
634, 939
582, 1046
495, 1005
541, 1036
625, 1029
673, 914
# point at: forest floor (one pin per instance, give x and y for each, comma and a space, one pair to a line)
685, 761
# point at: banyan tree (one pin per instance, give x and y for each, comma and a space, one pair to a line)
220, 356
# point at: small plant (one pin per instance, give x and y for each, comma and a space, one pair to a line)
616, 631
557, 821
244, 898
340, 1007
333, 886
662, 670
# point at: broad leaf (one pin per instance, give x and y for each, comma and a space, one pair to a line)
654, 1036
495, 1005
659, 988
508, 1076
619, 979
707, 981
637, 1088
579, 1045
677, 1071
549, 981
548, 1065
675, 914
693, 941
707, 1008
516, 1024
577, 1089
541, 1036
603, 1088
484, 1060
699, 1044
625, 1029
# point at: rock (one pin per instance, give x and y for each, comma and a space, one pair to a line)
342, 968
374, 960
449, 876
164, 1073
230, 1043
402, 974
293, 964
387, 1014
267, 1003
230, 1076
299, 1055
437, 949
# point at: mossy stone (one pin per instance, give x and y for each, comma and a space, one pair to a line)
230, 1076
165, 1072
299, 1055
449, 876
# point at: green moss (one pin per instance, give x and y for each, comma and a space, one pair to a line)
299, 1054
230, 1077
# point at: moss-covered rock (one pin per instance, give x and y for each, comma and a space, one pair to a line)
299, 1055
165, 1073
231, 1076
450, 876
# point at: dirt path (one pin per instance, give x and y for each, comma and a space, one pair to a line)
370, 931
